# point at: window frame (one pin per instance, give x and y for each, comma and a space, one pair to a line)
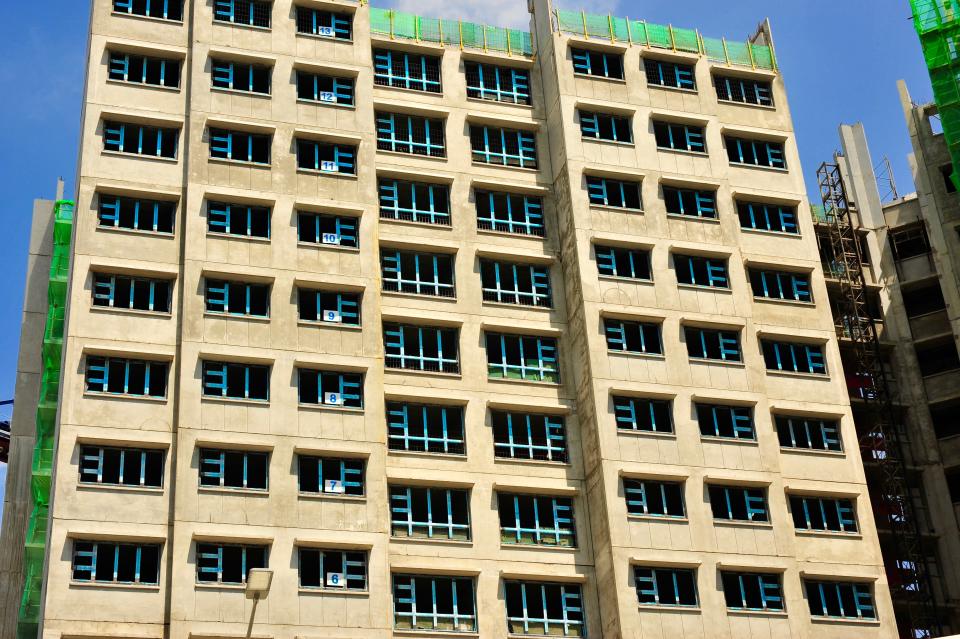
786, 217
345, 232
792, 286
477, 89
763, 98
226, 12
129, 5
773, 150
218, 292
209, 375
742, 426
557, 509
119, 63
786, 423
680, 136
220, 218
396, 276
104, 288
392, 192
217, 555
827, 506
729, 344
620, 334
716, 271
606, 257
533, 595
755, 502
429, 78
862, 594
212, 469
115, 134
657, 411
516, 422
768, 586
351, 473
397, 133
402, 516
349, 385
225, 143
224, 73
594, 125
539, 295
394, 337
530, 206
89, 550
584, 63
815, 357
340, 25
343, 156
342, 89
546, 370
614, 193
113, 212
347, 305
656, 70
641, 493
352, 562
647, 583
91, 462
702, 203
525, 141
404, 589
103, 369
402, 417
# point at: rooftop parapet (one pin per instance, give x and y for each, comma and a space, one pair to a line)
657, 36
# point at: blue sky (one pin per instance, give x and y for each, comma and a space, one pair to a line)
840, 59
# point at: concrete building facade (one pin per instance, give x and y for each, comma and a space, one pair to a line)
452, 340
909, 247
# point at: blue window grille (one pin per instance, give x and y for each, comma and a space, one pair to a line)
624, 336
522, 357
326, 157
669, 74
752, 591
679, 137
116, 562
775, 218
418, 273
674, 587
544, 609
509, 213
332, 230
332, 569
738, 503
237, 298
840, 599
643, 414
329, 388
604, 126
131, 293
793, 357
507, 147
422, 348
808, 433
653, 498
729, 422
755, 152
240, 146
161, 9
238, 219
620, 194
316, 87
136, 214
534, 520
231, 380
251, 13
131, 377
241, 76
694, 270
411, 134
405, 70
597, 63
234, 469
331, 307
425, 428
712, 344
431, 513
528, 436
833, 514
512, 283
330, 476
138, 69
434, 603
326, 24
731, 89
616, 261
690, 202
500, 84
781, 285
140, 139
121, 466
415, 201
228, 563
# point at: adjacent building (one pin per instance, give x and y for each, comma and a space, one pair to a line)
458, 330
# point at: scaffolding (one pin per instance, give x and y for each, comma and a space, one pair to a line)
52, 349
657, 36
884, 446
466, 35
938, 24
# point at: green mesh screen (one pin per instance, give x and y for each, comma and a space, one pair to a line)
468, 35
664, 37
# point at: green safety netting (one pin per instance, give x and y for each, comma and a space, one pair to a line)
468, 35
46, 424
660, 36
938, 24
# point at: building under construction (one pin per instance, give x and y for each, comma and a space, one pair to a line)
456, 331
